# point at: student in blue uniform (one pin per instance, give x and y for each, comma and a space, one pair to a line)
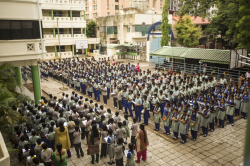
157, 116
146, 107
175, 123
166, 117
222, 113
244, 105
194, 123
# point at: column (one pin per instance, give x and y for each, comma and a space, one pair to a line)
55, 51
73, 50
70, 14
100, 49
54, 32
72, 32
85, 32
36, 83
52, 15
86, 51
18, 76
84, 15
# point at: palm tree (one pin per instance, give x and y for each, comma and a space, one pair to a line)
9, 99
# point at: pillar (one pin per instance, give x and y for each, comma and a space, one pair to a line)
84, 15
73, 50
55, 51
100, 49
54, 32
247, 143
36, 83
52, 15
86, 51
85, 32
72, 32
18, 76
70, 14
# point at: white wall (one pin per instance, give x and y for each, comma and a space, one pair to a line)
19, 10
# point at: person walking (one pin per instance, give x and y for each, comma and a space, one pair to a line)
94, 143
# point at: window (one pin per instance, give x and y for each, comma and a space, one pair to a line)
108, 13
116, 7
160, 8
128, 29
107, 6
95, 14
115, 30
175, 2
14, 30
174, 8
121, 6
116, 0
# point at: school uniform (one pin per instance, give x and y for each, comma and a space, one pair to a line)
51, 139
130, 158
237, 102
38, 149
230, 111
77, 143
157, 118
182, 128
221, 115
110, 146
46, 156
166, 122
104, 93
134, 128
82, 127
119, 98
119, 155
194, 129
125, 126
130, 103
87, 129
146, 106
175, 125
71, 128
115, 91
211, 117
125, 101
205, 121
104, 134
116, 120
138, 109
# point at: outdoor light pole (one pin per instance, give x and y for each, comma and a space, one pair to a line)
59, 39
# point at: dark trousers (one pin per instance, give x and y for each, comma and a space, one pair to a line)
48, 163
105, 99
212, 125
104, 150
184, 137
120, 104
176, 134
138, 113
194, 134
119, 162
133, 141
221, 122
90, 94
83, 133
204, 130
71, 138
78, 148
115, 101
130, 108
93, 158
125, 104
237, 112
157, 126
87, 133
231, 119
167, 129
145, 116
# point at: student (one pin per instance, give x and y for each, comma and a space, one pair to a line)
46, 155
110, 147
222, 112
115, 93
146, 107
104, 134
44, 131
89, 90
130, 102
125, 126
194, 123
51, 138
175, 124
82, 118
230, 109
157, 116
71, 128
104, 93
130, 156
134, 128
38, 148
21, 145
120, 131
30, 162
33, 139
119, 149
244, 105
166, 117
119, 98
98, 118
138, 105
204, 114
26, 153
77, 142
112, 125
87, 128
117, 118
212, 115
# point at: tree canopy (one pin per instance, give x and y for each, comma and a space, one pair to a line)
232, 18
164, 25
187, 33
91, 28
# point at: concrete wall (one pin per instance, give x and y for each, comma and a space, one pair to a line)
4, 157
19, 10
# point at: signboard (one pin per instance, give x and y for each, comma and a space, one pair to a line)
81, 44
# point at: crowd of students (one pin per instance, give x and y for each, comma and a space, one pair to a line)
181, 102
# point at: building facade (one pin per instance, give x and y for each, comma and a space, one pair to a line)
21, 41
64, 23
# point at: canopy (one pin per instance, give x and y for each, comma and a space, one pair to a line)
122, 46
205, 55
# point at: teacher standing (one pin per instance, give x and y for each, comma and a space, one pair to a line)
62, 136
94, 143
141, 144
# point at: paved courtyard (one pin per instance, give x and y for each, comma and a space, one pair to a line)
221, 147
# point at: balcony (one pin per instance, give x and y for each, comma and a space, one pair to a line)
66, 39
66, 2
64, 22
52, 55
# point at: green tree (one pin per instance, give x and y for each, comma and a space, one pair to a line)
91, 28
164, 25
9, 99
242, 26
187, 33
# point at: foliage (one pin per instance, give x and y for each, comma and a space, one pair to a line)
243, 30
187, 33
9, 98
91, 28
232, 18
164, 25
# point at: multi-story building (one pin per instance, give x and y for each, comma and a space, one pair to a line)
64, 23
21, 42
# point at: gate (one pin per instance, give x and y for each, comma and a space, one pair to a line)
156, 44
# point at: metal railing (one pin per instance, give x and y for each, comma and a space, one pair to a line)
189, 69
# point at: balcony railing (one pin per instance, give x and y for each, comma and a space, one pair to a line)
63, 36
75, 2
77, 19
67, 54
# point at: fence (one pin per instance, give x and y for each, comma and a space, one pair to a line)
229, 74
